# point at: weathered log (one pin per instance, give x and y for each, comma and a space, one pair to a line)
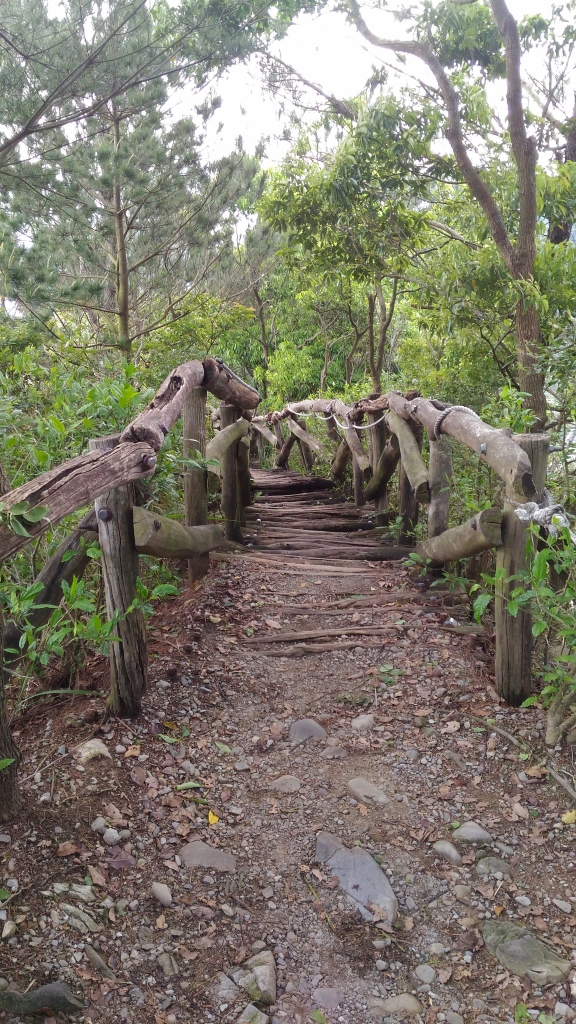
167, 538
284, 453
351, 554
315, 634
244, 484
264, 432
296, 428
74, 485
408, 505
412, 461
220, 380
128, 654
481, 532
355, 445
331, 428
195, 478
304, 499
358, 483
228, 463
498, 451
384, 471
341, 459
59, 568
166, 407
226, 437
514, 633
440, 477
278, 435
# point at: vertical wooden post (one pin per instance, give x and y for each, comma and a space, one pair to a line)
279, 435
378, 437
229, 464
244, 490
439, 479
407, 504
341, 459
331, 428
128, 655
358, 477
307, 456
514, 633
260, 447
195, 479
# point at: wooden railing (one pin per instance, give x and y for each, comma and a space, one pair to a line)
394, 425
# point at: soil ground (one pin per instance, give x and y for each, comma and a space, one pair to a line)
218, 713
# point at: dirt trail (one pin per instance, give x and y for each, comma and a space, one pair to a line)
222, 714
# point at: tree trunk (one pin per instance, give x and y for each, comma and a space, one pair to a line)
358, 476
195, 478
341, 460
440, 477
530, 378
10, 796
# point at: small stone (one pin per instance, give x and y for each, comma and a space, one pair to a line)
257, 976
563, 905
454, 1018
242, 766
252, 1015
471, 832
90, 749
404, 1004
491, 865
306, 729
111, 837
162, 893
463, 893
332, 753
362, 790
258, 945
268, 892
381, 965
524, 901
99, 824
188, 767
5, 838
199, 854
362, 723
168, 964
437, 948
329, 998
120, 748
447, 851
425, 973
98, 963
224, 990
4, 984
8, 930
359, 876
563, 1010
479, 1004
286, 784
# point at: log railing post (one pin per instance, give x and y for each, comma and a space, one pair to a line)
514, 633
128, 654
243, 469
229, 465
378, 435
407, 501
305, 452
195, 478
439, 478
358, 478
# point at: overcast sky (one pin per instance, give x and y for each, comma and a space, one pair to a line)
322, 48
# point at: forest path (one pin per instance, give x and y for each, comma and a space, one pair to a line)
397, 753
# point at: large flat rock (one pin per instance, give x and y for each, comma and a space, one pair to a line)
521, 952
199, 855
359, 876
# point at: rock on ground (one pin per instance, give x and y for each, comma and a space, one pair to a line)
521, 952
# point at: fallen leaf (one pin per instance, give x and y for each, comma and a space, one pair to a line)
133, 751
171, 865
215, 618
521, 811
67, 849
444, 792
537, 771
121, 860
96, 876
444, 975
138, 776
408, 924
161, 921
222, 747
187, 954
363, 810
212, 818
498, 910
201, 743
273, 623
317, 874
451, 727
569, 818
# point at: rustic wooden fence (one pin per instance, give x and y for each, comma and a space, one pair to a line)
107, 474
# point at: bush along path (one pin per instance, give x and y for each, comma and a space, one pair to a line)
352, 834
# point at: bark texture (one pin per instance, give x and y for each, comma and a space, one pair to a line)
195, 478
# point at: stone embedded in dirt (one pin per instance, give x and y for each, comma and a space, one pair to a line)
454, 1018
91, 749
359, 876
524, 901
447, 851
463, 893
257, 977
286, 784
161, 892
199, 855
362, 723
223, 990
56, 996
562, 905
492, 865
563, 1010
242, 766
188, 767
521, 952
111, 836
471, 832
79, 919
8, 930
5, 838
361, 789
329, 998
425, 973
98, 963
306, 729
252, 1015
99, 824
168, 964
404, 1005
331, 753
